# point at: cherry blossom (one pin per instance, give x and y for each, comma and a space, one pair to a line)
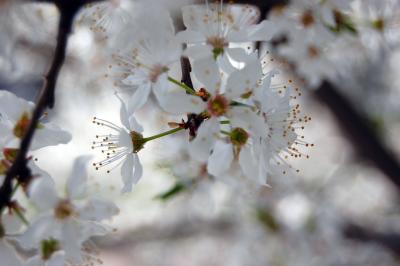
66, 222
14, 119
121, 147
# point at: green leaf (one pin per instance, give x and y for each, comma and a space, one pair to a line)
268, 220
176, 189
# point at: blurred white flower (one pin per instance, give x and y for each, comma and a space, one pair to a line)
211, 28
69, 220
15, 118
144, 65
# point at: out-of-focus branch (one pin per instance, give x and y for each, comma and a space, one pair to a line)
19, 168
362, 136
180, 230
390, 241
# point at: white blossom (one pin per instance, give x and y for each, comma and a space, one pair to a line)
70, 220
14, 119
121, 147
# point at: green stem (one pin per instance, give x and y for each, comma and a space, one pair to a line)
182, 85
235, 103
225, 132
225, 122
21, 216
169, 132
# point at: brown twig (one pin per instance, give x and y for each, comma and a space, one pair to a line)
186, 69
390, 241
19, 168
362, 136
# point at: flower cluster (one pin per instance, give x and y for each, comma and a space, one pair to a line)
237, 111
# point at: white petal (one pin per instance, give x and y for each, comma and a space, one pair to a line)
138, 169
57, 259
13, 107
134, 124
225, 64
76, 183
35, 261
90, 229
11, 223
239, 54
123, 112
125, 140
8, 255
72, 241
200, 147
262, 32
139, 98
97, 210
127, 173
49, 135
42, 192
245, 118
139, 78
42, 228
207, 72
248, 163
244, 80
179, 102
189, 36
221, 158
251, 166
197, 52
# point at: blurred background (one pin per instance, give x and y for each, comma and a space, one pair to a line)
315, 217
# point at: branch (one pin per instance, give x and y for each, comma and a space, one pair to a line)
390, 241
361, 135
19, 168
186, 69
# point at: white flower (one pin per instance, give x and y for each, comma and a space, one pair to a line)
311, 58
56, 259
66, 222
108, 16
14, 119
378, 22
211, 28
284, 120
144, 65
220, 144
10, 224
121, 147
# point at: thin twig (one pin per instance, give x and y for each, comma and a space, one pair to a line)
186, 69
390, 240
362, 136
19, 168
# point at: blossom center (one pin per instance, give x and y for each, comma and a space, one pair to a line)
22, 125
156, 71
115, 3
64, 209
137, 141
307, 18
48, 247
218, 105
239, 136
218, 44
312, 51
379, 24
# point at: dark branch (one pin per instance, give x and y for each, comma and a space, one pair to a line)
390, 241
19, 168
362, 136
186, 69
